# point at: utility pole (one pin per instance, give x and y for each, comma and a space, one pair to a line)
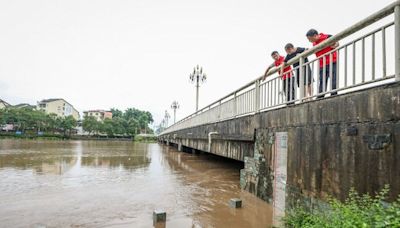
175, 106
197, 77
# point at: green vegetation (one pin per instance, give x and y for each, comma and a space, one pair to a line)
357, 211
128, 123
145, 138
33, 121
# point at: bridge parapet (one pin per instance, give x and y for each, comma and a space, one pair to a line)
363, 61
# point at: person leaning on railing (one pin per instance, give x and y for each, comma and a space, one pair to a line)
292, 52
315, 38
286, 75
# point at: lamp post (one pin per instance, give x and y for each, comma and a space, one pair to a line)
197, 77
162, 125
175, 106
166, 117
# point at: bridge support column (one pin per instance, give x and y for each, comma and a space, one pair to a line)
180, 147
397, 41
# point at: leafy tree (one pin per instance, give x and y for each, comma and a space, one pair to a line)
107, 127
116, 113
67, 124
90, 124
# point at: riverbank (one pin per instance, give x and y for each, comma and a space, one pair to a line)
138, 138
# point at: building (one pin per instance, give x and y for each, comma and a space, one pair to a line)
58, 106
3, 104
100, 115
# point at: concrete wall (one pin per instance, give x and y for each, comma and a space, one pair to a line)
350, 140
334, 144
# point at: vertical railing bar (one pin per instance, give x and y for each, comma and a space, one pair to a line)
345, 66
363, 60
331, 70
312, 78
397, 42
301, 70
324, 74
354, 63
286, 92
307, 69
384, 52
373, 56
270, 93
337, 69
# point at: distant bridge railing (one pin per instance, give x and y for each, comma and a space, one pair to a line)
379, 49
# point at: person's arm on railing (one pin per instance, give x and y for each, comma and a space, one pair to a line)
266, 71
335, 45
281, 67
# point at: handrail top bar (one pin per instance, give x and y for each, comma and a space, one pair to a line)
339, 36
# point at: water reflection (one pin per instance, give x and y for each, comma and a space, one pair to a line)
54, 157
119, 184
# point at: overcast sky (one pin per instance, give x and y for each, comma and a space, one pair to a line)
139, 53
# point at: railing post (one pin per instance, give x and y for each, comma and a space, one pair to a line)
257, 96
301, 79
235, 105
397, 41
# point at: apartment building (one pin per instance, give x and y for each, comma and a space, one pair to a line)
100, 115
58, 106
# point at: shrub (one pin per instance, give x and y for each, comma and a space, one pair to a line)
357, 211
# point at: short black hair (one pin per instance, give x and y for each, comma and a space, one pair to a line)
289, 45
274, 52
312, 32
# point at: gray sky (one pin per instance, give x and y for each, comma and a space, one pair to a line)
139, 53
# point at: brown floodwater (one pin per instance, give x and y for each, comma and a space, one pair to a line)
120, 184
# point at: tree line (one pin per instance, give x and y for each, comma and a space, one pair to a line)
123, 123
128, 123
28, 119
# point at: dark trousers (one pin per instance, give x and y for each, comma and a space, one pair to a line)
290, 84
327, 74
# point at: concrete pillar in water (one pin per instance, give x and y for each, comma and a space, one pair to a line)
180, 147
159, 216
235, 203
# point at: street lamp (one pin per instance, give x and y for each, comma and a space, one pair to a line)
175, 106
166, 117
197, 77
163, 125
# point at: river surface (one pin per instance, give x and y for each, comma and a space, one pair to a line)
120, 184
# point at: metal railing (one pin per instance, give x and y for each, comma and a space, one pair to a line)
351, 73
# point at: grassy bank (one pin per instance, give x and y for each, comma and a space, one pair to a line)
147, 138
357, 211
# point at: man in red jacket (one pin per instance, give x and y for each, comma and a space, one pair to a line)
286, 75
324, 60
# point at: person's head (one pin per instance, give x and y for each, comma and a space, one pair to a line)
275, 55
312, 35
289, 48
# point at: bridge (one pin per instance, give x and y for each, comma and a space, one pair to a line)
310, 146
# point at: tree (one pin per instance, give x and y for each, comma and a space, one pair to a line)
90, 124
116, 113
107, 127
67, 124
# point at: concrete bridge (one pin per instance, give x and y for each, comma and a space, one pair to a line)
314, 147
